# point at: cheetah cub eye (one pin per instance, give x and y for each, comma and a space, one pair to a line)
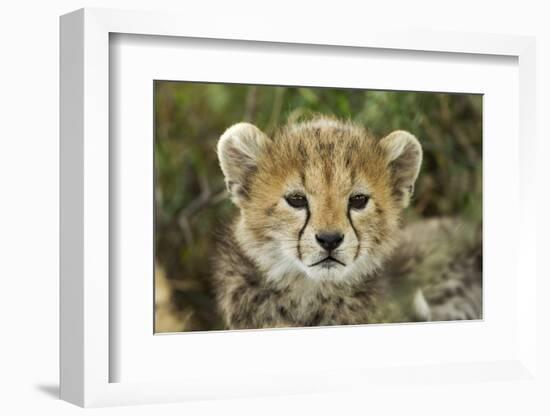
296, 200
358, 201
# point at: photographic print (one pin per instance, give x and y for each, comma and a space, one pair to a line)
284, 206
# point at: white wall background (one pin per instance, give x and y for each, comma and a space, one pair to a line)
29, 115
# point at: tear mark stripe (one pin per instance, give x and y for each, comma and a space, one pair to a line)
301, 232
356, 235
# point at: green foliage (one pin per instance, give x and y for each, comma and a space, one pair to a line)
191, 202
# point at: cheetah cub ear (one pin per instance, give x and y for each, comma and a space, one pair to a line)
404, 155
238, 151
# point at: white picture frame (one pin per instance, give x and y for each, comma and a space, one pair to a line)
87, 356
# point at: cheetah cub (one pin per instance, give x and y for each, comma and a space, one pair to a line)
320, 205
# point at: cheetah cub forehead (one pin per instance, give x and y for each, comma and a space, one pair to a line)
319, 199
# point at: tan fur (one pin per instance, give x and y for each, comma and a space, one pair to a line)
264, 274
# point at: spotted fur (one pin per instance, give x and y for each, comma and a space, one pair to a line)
271, 268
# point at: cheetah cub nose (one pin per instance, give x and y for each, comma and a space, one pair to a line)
329, 240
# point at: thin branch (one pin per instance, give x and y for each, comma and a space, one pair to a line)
251, 103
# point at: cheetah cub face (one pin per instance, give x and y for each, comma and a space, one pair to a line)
320, 199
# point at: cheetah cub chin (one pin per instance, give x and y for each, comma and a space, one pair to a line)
320, 205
